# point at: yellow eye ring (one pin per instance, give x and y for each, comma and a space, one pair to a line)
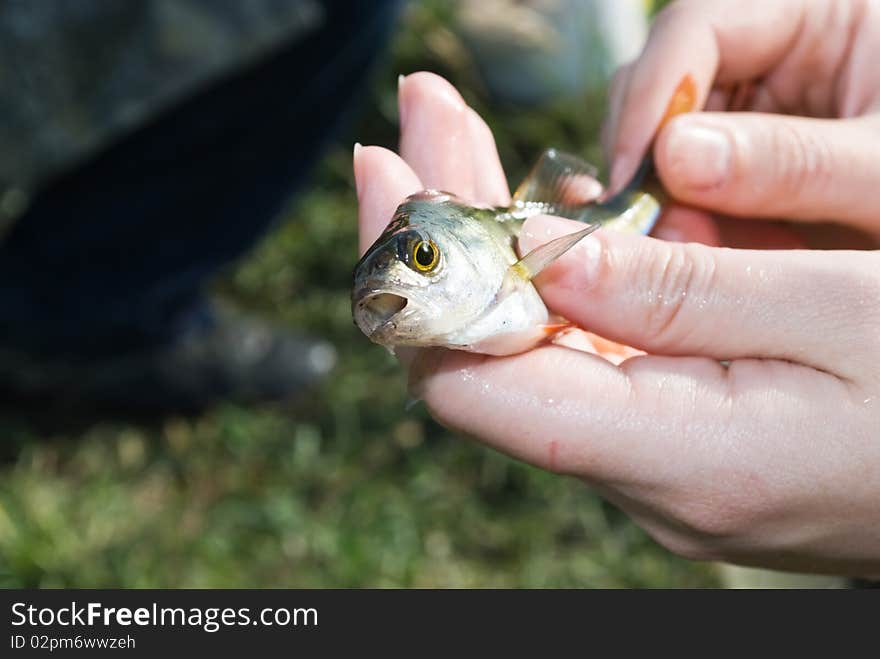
425, 255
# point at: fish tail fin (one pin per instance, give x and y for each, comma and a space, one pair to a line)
564, 185
632, 210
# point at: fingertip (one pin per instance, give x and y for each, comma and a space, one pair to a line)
664, 81
431, 83
491, 184
401, 105
355, 158
425, 87
383, 180
435, 137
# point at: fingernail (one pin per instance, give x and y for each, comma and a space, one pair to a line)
354, 165
401, 109
699, 153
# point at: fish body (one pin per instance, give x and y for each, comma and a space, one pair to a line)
447, 273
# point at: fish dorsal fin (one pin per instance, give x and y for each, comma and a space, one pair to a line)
559, 184
539, 258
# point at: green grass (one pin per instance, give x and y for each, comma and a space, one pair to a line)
347, 488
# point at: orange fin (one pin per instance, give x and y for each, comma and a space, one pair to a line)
684, 99
606, 347
580, 339
550, 329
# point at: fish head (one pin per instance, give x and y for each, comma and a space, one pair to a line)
431, 274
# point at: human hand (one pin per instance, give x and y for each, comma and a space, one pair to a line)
773, 460
812, 58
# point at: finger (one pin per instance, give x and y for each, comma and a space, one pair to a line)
691, 449
616, 94
682, 224
757, 234
490, 185
543, 391
629, 426
697, 38
836, 236
718, 100
383, 181
677, 299
860, 79
764, 165
435, 134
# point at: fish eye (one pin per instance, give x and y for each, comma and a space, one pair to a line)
425, 255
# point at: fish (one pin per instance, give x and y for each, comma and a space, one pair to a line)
446, 273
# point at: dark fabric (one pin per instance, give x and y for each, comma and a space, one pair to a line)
76, 74
115, 254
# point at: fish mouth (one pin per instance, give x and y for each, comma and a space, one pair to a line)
375, 311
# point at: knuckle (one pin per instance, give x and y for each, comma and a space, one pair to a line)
703, 536
725, 511
688, 546
678, 276
804, 158
716, 521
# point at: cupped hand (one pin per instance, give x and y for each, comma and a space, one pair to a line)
752, 431
792, 128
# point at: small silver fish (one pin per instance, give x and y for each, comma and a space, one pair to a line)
447, 273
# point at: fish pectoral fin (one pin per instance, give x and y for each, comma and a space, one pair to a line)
558, 184
529, 266
550, 329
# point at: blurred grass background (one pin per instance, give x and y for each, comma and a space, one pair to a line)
345, 488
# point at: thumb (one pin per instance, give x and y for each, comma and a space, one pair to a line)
807, 307
774, 166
